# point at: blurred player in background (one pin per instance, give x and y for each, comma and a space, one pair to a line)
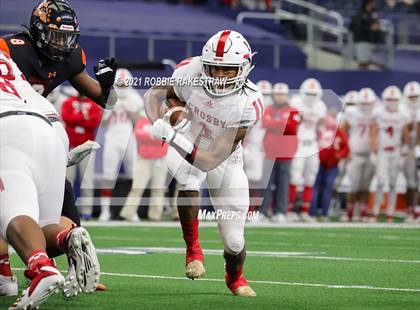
389, 148
150, 168
119, 143
31, 195
48, 55
305, 164
280, 122
334, 147
82, 118
357, 125
254, 150
411, 106
220, 112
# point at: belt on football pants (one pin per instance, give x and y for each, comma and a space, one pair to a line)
11, 113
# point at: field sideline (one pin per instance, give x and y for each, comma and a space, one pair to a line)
315, 266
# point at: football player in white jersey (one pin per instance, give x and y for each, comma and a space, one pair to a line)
388, 141
220, 112
411, 106
305, 164
357, 123
119, 143
30, 222
253, 144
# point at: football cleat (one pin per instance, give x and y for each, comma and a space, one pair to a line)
47, 282
71, 287
8, 286
82, 253
194, 263
306, 218
195, 269
240, 287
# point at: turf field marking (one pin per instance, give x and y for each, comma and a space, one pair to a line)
217, 241
301, 255
334, 286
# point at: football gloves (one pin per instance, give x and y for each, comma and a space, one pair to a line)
77, 154
105, 72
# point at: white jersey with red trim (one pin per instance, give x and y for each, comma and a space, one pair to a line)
359, 133
14, 88
120, 122
210, 115
390, 127
311, 117
412, 114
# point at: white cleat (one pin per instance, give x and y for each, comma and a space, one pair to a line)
279, 218
306, 218
8, 286
71, 287
46, 283
245, 291
195, 269
292, 217
132, 219
86, 264
104, 216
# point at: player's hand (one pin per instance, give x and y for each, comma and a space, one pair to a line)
162, 130
105, 72
77, 154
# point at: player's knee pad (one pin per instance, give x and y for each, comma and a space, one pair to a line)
234, 244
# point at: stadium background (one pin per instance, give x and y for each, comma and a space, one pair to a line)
143, 33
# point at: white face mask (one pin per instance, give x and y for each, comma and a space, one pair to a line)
391, 105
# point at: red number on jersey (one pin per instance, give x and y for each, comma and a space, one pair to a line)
390, 131
362, 129
6, 75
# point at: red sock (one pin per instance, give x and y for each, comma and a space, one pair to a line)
363, 210
306, 199
61, 240
292, 197
37, 259
350, 208
106, 192
190, 234
5, 266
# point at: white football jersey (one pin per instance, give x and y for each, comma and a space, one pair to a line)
129, 100
359, 133
13, 85
210, 116
311, 116
390, 127
412, 115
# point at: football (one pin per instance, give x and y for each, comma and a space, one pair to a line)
176, 111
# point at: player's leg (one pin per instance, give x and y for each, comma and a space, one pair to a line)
189, 181
410, 173
157, 195
8, 282
297, 167
230, 198
394, 167
368, 173
381, 179
282, 191
143, 169
112, 160
268, 181
29, 140
310, 172
87, 185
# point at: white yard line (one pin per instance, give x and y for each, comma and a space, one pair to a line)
301, 255
333, 286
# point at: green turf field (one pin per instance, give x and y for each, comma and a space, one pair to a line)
289, 268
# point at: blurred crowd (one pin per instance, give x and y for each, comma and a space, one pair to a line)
304, 160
